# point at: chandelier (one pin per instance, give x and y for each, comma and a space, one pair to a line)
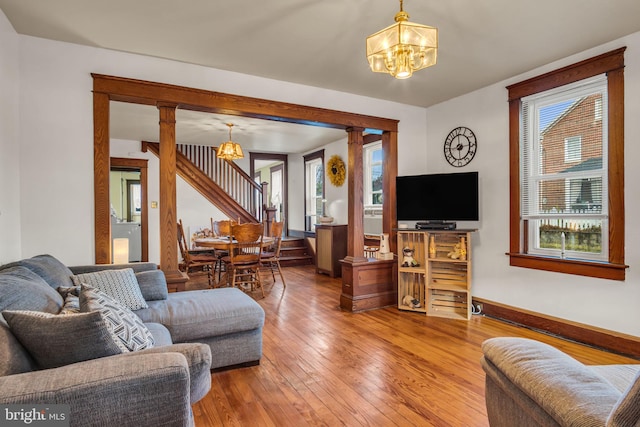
402, 48
230, 150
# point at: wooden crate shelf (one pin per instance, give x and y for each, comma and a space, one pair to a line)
442, 280
447, 303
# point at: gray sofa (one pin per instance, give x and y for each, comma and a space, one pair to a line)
529, 383
194, 331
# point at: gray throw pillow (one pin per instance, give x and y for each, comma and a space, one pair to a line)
120, 285
122, 323
55, 341
22, 289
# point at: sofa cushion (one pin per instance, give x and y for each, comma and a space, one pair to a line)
54, 340
153, 285
49, 268
121, 322
120, 285
194, 315
626, 412
161, 335
22, 289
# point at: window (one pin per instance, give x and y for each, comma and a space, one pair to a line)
373, 174
314, 188
573, 148
567, 200
562, 190
597, 114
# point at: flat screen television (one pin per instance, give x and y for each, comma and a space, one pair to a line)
437, 198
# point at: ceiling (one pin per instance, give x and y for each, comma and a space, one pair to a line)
321, 43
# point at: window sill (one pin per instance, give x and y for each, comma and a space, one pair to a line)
602, 270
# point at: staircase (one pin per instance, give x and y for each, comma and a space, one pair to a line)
294, 251
221, 182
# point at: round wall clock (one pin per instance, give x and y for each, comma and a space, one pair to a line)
460, 146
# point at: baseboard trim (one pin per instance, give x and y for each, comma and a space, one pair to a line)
627, 345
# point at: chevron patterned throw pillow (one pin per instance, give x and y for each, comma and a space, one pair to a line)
122, 323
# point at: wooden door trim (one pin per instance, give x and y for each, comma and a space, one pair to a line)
121, 163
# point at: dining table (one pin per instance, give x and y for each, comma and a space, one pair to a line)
223, 243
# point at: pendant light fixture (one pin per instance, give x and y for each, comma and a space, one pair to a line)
230, 150
402, 48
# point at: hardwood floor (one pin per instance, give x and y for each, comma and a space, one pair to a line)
325, 367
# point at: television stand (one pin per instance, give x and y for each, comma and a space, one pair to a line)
435, 225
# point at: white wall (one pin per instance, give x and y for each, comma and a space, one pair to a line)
337, 197
10, 248
57, 132
602, 303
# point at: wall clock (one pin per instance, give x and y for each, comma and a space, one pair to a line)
336, 170
460, 146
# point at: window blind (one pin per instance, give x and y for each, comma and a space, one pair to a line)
564, 161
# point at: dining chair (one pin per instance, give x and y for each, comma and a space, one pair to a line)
243, 261
221, 228
270, 257
191, 260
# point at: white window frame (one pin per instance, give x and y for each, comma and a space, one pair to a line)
311, 168
531, 170
368, 165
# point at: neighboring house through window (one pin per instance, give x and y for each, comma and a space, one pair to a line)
567, 204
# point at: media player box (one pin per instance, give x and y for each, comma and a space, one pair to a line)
435, 225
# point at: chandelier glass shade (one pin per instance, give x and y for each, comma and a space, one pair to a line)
402, 48
230, 150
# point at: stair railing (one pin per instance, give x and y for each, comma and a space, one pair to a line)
229, 176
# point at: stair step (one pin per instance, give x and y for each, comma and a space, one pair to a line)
291, 261
294, 252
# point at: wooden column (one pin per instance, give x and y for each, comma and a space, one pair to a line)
168, 210
101, 169
369, 283
355, 242
390, 168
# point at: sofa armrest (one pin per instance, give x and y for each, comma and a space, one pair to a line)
543, 385
144, 389
198, 357
136, 266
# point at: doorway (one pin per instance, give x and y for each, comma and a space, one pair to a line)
128, 198
272, 168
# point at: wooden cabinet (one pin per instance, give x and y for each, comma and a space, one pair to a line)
331, 247
438, 281
368, 284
